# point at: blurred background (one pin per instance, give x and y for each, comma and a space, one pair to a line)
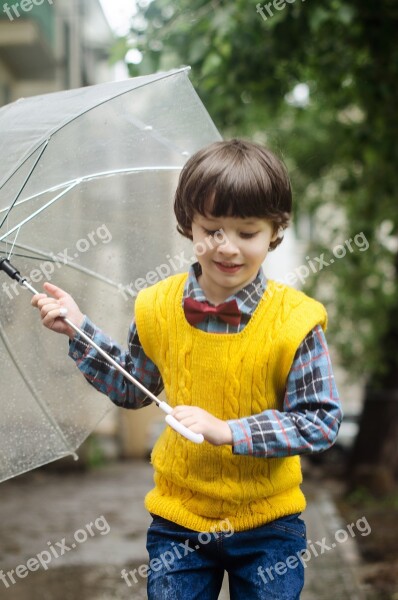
317, 83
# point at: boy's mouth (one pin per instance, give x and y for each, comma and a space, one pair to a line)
226, 267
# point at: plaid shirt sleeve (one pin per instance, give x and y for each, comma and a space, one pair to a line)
311, 415
108, 380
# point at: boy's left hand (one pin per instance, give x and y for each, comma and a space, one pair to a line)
214, 430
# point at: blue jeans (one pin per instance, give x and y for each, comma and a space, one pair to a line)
262, 563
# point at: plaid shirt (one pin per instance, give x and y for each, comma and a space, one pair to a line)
311, 415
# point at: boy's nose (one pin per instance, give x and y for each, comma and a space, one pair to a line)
228, 248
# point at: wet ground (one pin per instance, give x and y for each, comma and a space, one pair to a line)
69, 536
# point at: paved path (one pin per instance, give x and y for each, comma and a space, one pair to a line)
39, 510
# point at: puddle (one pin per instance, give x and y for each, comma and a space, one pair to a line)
101, 582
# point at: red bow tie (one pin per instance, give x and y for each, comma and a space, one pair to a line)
196, 312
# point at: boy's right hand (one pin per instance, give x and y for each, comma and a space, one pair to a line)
52, 309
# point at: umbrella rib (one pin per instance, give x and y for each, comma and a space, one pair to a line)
25, 182
39, 210
21, 255
94, 176
123, 93
91, 176
118, 95
39, 402
14, 242
53, 258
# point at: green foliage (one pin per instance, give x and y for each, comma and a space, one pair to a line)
361, 497
341, 148
95, 456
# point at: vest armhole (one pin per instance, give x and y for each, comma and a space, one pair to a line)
145, 311
143, 318
300, 325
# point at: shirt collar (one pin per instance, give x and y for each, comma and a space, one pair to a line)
247, 298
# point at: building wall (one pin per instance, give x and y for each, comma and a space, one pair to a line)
53, 47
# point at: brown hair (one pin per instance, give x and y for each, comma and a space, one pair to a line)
238, 179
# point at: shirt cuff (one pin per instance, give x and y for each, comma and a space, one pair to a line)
78, 346
242, 442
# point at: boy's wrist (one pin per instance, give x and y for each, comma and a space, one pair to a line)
226, 434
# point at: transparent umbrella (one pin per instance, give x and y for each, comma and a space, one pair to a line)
86, 191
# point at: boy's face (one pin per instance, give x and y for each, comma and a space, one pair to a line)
230, 251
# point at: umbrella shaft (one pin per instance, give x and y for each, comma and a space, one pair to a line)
112, 361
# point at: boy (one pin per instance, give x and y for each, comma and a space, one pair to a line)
244, 361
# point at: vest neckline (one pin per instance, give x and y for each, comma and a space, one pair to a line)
267, 297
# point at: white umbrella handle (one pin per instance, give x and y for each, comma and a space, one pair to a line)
179, 427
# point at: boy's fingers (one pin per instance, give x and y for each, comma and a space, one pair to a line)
52, 316
178, 412
36, 299
46, 301
54, 290
46, 305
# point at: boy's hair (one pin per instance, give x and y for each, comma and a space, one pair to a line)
234, 178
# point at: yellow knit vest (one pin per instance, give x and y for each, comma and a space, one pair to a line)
231, 376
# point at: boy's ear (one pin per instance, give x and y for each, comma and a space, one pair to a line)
187, 232
275, 233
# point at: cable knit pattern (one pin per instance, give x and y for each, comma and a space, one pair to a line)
231, 376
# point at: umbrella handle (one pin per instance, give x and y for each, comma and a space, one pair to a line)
197, 438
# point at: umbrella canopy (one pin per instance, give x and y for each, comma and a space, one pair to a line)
86, 192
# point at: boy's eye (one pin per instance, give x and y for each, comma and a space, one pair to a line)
212, 232
247, 236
